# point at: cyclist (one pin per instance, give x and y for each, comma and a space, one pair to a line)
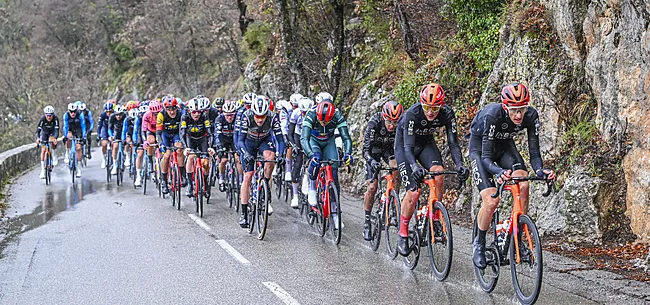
74, 125
149, 125
318, 141
137, 139
493, 152
217, 108
223, 138
378, 145
295, 130
90, 124
102, 128
284, 111
414, 142
127, 130
256, 127
167, 132
196, 134
248, 100
115, 125
47, 130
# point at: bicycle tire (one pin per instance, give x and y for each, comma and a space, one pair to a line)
262, 212
178, 189
199, 192
320, 219
48, 167
251, 216
376, 223
334, 217
440, 264
487, 282
392, 209
119, 168
108, 165
277, 180
145, 176
288, 191
530, 259
237, 192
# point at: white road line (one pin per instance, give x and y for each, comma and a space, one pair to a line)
226, 246
280, 293
200, 222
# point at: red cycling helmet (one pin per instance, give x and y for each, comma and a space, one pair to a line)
169, 101
515, 95
432, 95
325, 112
392, 111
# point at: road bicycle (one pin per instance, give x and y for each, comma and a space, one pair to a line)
431, 229
518, 245
132, 168
72, 155
201, 188
278, 181
108, 161
48, 162
258, 205
148, 172
327, 212
385, 216
232, 181
174, 177
119, 162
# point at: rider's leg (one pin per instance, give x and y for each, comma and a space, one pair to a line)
181, 159
116, 147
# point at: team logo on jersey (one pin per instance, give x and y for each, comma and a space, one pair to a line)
537, 127
383, 132
424, 123
410, 129
491, 132
504, 126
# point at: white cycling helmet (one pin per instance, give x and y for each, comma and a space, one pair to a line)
192, 105
260, 106
143, 108
133, 113
81, 106
284, 104
230, 106
305, 104
72, 107
249, 98
119, 109
295, 99
324, 97
202, 103
48, 109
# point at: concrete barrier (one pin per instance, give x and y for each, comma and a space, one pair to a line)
19, 159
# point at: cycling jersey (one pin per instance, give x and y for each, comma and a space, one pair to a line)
46, 129
284, 121
149, 122
213, 114
378, 140
312, 129
223, 132
414, 140
492, 147
137, 129
238, 117
115, 126
194, 130
127, 128
255, 138
165, 123
76, 125
102, 126
90, 123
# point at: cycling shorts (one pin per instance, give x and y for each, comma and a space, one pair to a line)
168, 140
257, 147
507, 156
427, 154
386, 156
198, 144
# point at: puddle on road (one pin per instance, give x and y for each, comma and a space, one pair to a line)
54, 201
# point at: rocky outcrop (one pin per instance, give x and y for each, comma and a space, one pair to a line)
572, 212
273, 82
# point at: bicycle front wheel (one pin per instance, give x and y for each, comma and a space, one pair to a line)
262, 208
119, 168
48, 168
376, 220
526, 267
392, 212
334, 217
440, 241
199, 187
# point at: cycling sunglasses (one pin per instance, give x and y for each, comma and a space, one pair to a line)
428, 108
517, 109
170, 108
260, 117
48, 114
197, 111
391, 122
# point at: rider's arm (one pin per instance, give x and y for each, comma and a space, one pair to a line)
533, 140
39, 127
217, 132
136, 129
487, 145
306, 133
369, 137
160, 122
111, 125
91, 120
291, 131
65, 124
208, 129
56, 127
243, 129
452, 138
182, 132
409, 137
82, 120
277, 130
125, 128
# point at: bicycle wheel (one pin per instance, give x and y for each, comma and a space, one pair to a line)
277, 180
392, 210
252, 209
48, 167
199, 191
376, 220
488, 277
108, 165
262, 208
237, 192
411, 260
177, 187
229, 186
334, 217
440, 241
118, 163
527, 272
145, 176
319, 218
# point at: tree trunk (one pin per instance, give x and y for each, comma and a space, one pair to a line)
287, 31
339, 44
410, 45
243, 20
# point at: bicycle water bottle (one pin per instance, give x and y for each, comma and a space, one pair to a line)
501, 235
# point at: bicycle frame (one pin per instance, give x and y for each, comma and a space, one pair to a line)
325, 177
517, 211
390, 186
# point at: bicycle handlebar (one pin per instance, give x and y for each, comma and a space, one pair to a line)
550, 184
433, 174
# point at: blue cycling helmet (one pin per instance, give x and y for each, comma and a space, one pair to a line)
109, 106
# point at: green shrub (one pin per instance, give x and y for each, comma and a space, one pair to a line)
257, 37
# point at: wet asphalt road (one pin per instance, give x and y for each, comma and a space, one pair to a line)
96, 243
